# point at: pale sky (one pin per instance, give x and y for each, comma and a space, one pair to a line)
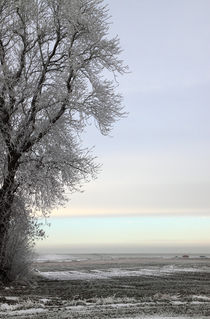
154, 185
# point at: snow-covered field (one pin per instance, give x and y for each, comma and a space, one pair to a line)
111, 286
118, 272
59, 258
58, 308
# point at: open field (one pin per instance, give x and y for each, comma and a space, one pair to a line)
106, 286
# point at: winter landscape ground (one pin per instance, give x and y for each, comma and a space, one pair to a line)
111, 286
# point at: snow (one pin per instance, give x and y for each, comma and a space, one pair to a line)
76, 308
196, 302
160, 317
46, 305
115, 272
58, 258
112, 305
26, 306
5, 306
11, 298
178, 303
172, 269
24, 311
124, 305
44, 300
29, 307
205, 298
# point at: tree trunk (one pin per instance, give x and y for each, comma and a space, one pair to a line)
4, 267
6, 201
4, 264
5, 204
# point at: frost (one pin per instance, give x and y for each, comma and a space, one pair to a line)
116, 272
53, 59
44, 300
195, 297
25, 311
5, 306
11, 298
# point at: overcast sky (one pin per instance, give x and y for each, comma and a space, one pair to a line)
154, 186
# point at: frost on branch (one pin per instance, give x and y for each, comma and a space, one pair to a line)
53, 54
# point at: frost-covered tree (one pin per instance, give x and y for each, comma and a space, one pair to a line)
53, 58
17, 248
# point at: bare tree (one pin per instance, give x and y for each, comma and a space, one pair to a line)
53, 57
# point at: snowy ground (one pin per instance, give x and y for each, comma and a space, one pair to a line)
104, 287
57, 308
119, 272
